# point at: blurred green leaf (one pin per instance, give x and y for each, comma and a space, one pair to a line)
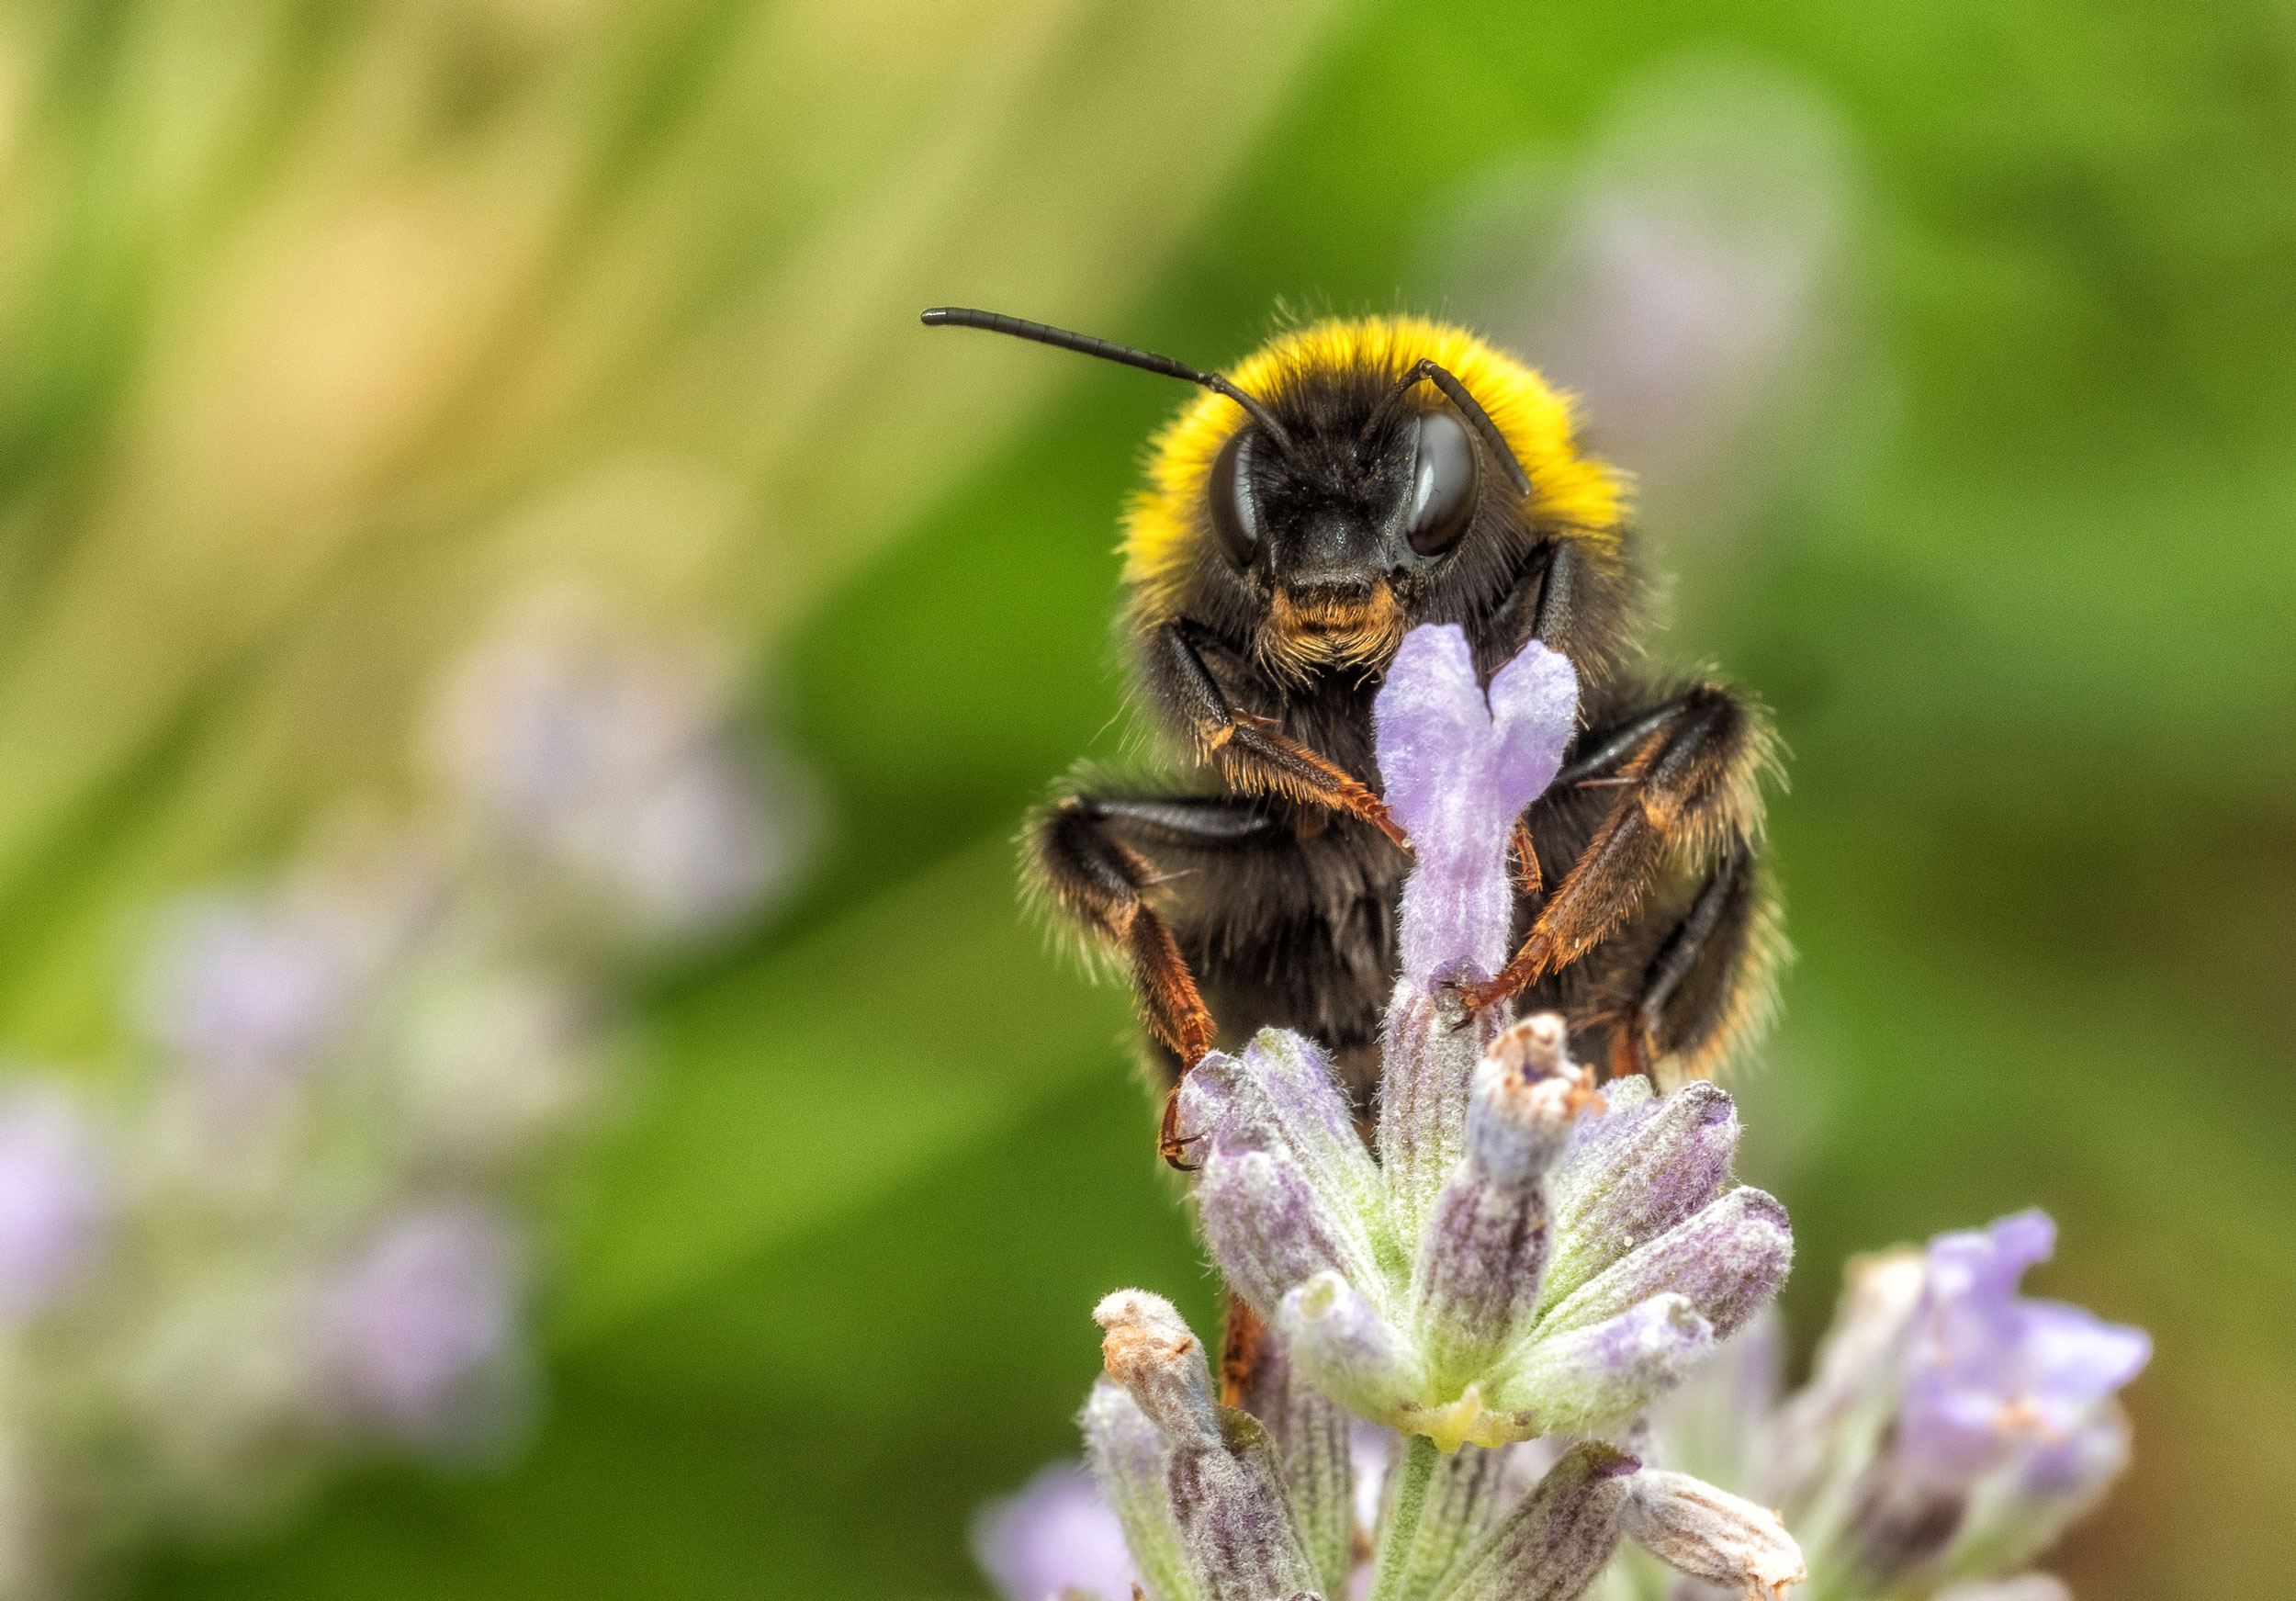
923, 1022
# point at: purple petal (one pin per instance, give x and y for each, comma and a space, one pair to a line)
1991, 1375
1534, 708
1056, 1533
1429, 711
1458, 770
2073, 1353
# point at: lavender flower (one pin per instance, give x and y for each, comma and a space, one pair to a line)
54, 1199
1523, 1258
1527, 1259
250, 991
1952, 1429
618, 764
1993, 1375
427, 1310
1056, 1536
1459, 769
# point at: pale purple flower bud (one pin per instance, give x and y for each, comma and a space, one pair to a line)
1269, 1229
1476, 1276
1630, 1175
1584, 1380
1055, 1536
1284, 1186
1711, 1534
1312, 1438
1279, 1095
1344, 1346
1225, 1489
54, 1200
430, 1309
1147, 1346
1991, 1372
1557, 1540
1729, 1259
1459, 767
1127, 1454
1235, 1523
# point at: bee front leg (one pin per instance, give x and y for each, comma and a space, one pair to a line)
1251, 754
1101, 882
1685, 773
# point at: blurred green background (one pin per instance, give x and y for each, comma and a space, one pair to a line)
323, 326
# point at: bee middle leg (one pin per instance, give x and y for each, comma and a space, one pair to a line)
1700, 982
1686, 776
1087, 854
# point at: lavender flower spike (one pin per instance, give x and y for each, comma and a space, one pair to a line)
1458, 769
1952, 1429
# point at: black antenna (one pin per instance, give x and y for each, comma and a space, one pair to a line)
1428, 372
1147, 361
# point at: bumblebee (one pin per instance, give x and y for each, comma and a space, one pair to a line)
1353, 480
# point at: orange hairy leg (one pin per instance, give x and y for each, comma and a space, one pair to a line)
1685, 779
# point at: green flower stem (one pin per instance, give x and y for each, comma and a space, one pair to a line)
1389, 1579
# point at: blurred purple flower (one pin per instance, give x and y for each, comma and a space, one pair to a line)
619, 760
249, 993
1054, 1535
1684, 280
1459, 767
427, 1310
54, 1198
1992, 1374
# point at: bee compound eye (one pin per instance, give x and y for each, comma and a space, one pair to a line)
1443, 479
1233, 516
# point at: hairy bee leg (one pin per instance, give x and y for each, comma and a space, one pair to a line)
1527, 879
1098, 880
1690, 770
1249, 752
1711, 980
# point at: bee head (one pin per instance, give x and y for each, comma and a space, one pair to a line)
1335, 519
1352, 479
